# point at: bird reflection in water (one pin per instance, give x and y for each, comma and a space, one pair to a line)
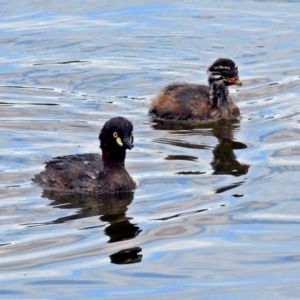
224, 159
111, 209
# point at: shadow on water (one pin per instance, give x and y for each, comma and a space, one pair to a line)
111, 209
224, 159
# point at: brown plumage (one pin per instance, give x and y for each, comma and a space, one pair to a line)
195, 102
92, 173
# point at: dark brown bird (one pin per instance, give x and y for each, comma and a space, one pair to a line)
195, 102
92, 173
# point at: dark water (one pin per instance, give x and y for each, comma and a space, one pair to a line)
216, 214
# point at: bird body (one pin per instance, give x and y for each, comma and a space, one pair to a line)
195, 102
92, 173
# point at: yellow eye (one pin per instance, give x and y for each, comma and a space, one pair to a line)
115, 135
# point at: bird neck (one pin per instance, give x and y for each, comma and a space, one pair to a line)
113, 160
218, 91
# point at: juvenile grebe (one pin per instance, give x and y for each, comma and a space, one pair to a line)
195, 102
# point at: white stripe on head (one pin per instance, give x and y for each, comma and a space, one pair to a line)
222, 68
216, 76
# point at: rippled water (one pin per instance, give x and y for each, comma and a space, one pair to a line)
216, 214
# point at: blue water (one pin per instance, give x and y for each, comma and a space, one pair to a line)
216, 214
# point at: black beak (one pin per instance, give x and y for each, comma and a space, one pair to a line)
127, 143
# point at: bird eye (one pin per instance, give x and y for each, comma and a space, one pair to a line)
115, 135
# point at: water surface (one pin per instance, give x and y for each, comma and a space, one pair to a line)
216, 214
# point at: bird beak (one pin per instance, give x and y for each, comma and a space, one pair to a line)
127, 144
234, 80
